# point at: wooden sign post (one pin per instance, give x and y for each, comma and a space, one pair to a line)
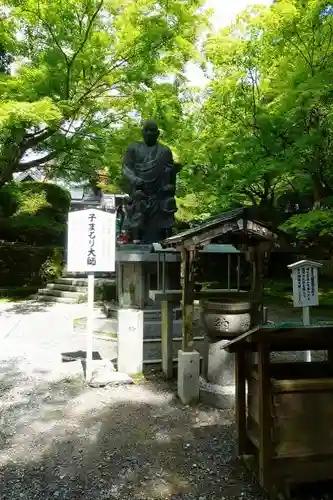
91, 248
304, 274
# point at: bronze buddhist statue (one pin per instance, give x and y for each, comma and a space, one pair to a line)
150, 177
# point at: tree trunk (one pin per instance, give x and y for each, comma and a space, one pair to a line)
320, 191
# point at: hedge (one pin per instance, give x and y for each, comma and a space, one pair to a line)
34, 230
13, 194
34, 213
17, 292
106, 291
22, 265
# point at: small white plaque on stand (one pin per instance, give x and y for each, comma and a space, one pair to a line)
304, 274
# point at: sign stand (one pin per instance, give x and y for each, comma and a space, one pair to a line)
306, 322
305, 289
91, 248
90, 324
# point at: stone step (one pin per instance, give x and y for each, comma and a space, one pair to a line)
84, 275
60, 293
74, 275
53, 298
66, 287
72, 282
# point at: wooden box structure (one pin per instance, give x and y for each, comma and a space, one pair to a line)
284, 425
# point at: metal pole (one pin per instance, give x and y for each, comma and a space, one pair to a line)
229, 259
306, 322
163, 272
238, 272
90, 324
158, 271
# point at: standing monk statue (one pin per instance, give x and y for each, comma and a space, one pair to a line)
150, 178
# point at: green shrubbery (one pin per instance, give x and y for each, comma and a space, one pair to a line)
33, 218
106, 291
22, 265
33, 213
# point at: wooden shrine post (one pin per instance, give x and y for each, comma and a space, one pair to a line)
240, 382
187, 275
166, 338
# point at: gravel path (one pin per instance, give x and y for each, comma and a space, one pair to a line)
60, 439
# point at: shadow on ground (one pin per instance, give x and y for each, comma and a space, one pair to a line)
60, 439
26, 307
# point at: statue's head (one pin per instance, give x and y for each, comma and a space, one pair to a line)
150, 132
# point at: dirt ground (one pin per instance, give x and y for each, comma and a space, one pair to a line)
60, 439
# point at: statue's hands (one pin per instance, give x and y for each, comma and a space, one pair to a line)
139, 184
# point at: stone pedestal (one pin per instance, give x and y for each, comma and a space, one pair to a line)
217, 388
139, 271
188, 376
130, 341
223, 319
218, 364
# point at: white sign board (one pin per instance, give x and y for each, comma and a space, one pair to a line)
305, 283
91, 241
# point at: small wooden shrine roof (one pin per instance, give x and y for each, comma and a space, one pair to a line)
284, 337
211, 249
234, 223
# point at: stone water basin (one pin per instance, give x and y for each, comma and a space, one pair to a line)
228, 317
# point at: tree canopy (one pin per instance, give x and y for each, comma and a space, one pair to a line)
83, 70
260, 133
263, 134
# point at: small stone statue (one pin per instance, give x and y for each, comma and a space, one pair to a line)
150, 177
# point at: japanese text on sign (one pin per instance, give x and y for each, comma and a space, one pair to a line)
305, 286
91, 241
91, 257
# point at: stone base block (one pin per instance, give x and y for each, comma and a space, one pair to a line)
188, 376
130, 341
151, 312
152, 350
151, 328
217, 396
219, 365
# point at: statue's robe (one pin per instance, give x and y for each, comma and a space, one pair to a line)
151, 184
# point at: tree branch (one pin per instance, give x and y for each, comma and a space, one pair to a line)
85, 38
327, 48
80, 48
23, 167
36, 132
97, 80
31, 142
300, 50
49, 29
251, 196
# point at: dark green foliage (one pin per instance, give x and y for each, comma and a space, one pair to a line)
33, 218
33, 213
5, 60
26, 265
13, 293
58, 197
106, 292
312, 227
